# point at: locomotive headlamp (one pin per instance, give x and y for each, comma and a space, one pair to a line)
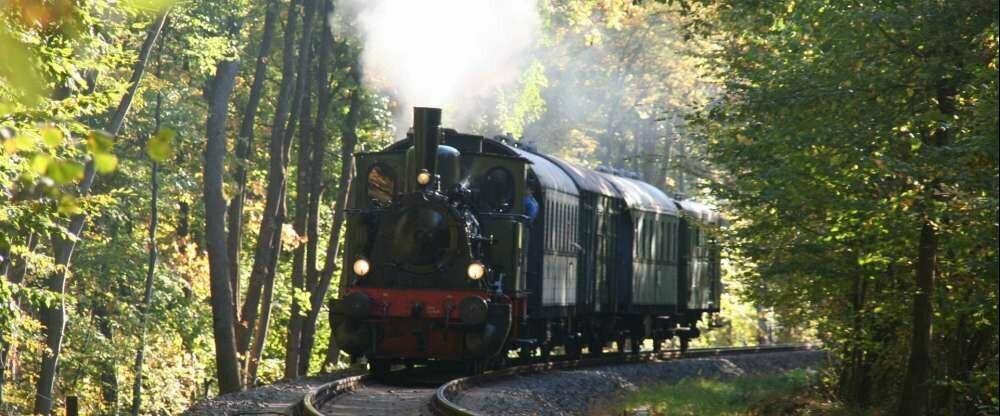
424, 177
476, 270
361, 267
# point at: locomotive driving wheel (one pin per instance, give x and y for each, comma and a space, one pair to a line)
595, 347
525, 353
476, 367
380, 369
574, 348
636, 344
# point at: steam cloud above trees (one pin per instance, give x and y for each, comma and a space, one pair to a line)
448, 54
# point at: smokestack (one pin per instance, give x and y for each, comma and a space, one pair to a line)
426, 121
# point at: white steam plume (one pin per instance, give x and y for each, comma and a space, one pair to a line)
443, 53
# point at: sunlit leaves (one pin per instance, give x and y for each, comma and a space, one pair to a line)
161, 146
99, 142
68, 205
100, 146
526, 104
149, 6
105, 162
18, 84
836, 165
63, 171
18, 144
52, 136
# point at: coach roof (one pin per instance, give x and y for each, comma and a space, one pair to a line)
586, 179
642, 196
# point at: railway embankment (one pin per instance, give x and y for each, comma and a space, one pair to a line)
280, 398
579, 391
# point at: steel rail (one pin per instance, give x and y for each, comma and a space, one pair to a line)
315, 399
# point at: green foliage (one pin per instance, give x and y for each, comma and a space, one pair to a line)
619, 78
826, 131
820, 129
160, 147
527, 104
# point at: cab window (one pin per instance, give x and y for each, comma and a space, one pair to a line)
496, 189
381, 181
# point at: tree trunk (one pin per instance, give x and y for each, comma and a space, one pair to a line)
109, 374
227, 364
854, 380
915, 387
916, 383
244, 149
269, 237
321, 139
183, 234
262, 327
299, 223
14, 271
53, 317
147, 297
154, 221
301, 81
349, 140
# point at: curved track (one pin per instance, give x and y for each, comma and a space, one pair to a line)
380, 399
406, 394
403, 392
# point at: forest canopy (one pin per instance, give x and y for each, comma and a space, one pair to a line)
173, 175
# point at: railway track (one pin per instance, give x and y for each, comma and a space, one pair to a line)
423, 394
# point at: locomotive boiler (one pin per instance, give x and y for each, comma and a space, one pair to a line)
462, 248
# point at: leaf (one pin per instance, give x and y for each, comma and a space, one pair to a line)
17, 69
18, 143
68, 205
52, 136
40, 163
62, 171
99, 142
149, 6
160, 147
105, 162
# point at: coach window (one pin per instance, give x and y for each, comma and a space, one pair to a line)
565, 228
381, 181
643, 231
676, 238
661, 239
652, 238
645, 237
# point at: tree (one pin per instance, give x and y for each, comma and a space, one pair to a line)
136, 317
223, 316
268, 245
301, 94
54, 318
244, 146
838, 129
348, 143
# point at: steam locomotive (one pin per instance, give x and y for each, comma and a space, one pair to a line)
461, 248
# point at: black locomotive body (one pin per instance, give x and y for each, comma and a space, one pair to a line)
448, 260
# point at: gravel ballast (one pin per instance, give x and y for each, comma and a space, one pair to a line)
574, 392
280, 398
